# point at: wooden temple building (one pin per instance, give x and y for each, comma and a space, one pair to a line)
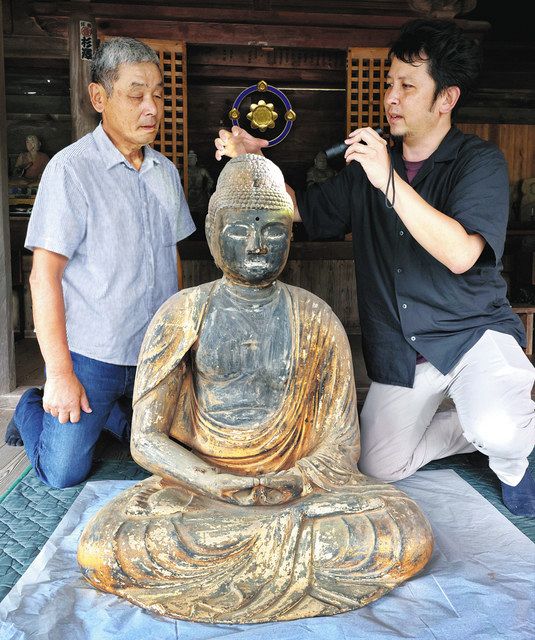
327, 57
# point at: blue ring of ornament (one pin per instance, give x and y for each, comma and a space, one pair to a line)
269, 89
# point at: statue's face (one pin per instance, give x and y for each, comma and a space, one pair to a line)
321, 161
254, 245
31, 143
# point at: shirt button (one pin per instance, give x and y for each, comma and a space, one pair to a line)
399, 270
404, 306
413, 338
402, 232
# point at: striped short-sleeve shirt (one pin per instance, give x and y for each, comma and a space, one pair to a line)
119, 228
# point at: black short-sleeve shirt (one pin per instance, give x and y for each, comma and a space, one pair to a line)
408, 301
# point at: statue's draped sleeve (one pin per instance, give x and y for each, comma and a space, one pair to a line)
326, 364
169, 337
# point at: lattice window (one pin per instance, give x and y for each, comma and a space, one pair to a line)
172, 138
366, 78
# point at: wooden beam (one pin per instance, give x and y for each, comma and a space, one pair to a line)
391, 17
7, 346
215, 14
36, 47
242, 34
215, 74
195, 24
84, 117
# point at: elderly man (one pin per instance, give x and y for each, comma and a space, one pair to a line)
103, 232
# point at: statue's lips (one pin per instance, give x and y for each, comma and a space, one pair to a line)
257, 261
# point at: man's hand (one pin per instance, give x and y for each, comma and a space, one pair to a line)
64, 397
372, 156
236, 142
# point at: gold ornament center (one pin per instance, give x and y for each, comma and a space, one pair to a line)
262, 115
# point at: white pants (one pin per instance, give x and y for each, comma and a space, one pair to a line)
490, 386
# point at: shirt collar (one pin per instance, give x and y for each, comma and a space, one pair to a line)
446, 150
112, 156
449, 147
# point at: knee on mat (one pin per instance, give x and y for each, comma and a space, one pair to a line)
375, 469
502, 438
62, 478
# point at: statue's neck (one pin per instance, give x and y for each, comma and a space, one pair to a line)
250, 296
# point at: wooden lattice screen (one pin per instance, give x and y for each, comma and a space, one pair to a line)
172, 138
366, 78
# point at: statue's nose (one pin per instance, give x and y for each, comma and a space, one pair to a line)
258, 250
256, 244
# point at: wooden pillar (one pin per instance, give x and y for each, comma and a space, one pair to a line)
7, 347
82, 46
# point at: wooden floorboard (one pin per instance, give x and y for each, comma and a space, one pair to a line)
13, 460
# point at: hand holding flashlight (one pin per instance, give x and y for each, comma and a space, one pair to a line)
340, 148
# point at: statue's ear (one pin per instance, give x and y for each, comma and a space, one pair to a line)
98, 96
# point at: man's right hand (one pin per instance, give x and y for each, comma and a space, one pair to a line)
236, 142
64, 397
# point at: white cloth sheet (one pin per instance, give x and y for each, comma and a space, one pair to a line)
479, 584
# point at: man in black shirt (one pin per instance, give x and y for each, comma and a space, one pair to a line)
428, 217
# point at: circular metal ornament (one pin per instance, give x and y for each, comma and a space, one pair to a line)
263, 115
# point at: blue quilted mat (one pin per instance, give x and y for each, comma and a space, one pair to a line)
31, 511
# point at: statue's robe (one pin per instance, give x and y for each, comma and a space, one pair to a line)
346, 542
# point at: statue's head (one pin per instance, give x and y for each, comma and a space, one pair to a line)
32, 142
192, 158
321, 160
249, 221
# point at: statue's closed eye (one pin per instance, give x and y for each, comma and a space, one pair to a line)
236, 230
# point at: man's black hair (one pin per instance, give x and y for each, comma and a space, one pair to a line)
454, 59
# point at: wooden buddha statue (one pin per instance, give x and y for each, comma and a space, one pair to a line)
245, 411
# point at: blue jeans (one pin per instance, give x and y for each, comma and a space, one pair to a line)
62, 454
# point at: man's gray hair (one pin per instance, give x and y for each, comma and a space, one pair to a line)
114, 52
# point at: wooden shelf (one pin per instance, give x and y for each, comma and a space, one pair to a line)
336, 250
15, 201
521, 229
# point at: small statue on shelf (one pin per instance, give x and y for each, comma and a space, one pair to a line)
527, 202
200, 185
321, 171
31, 163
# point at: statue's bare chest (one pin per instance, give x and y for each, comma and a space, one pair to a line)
242, 360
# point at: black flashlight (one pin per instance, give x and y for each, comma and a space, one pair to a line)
340, 149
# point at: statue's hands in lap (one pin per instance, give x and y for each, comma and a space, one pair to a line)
231, 488
279, 487
247, 491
